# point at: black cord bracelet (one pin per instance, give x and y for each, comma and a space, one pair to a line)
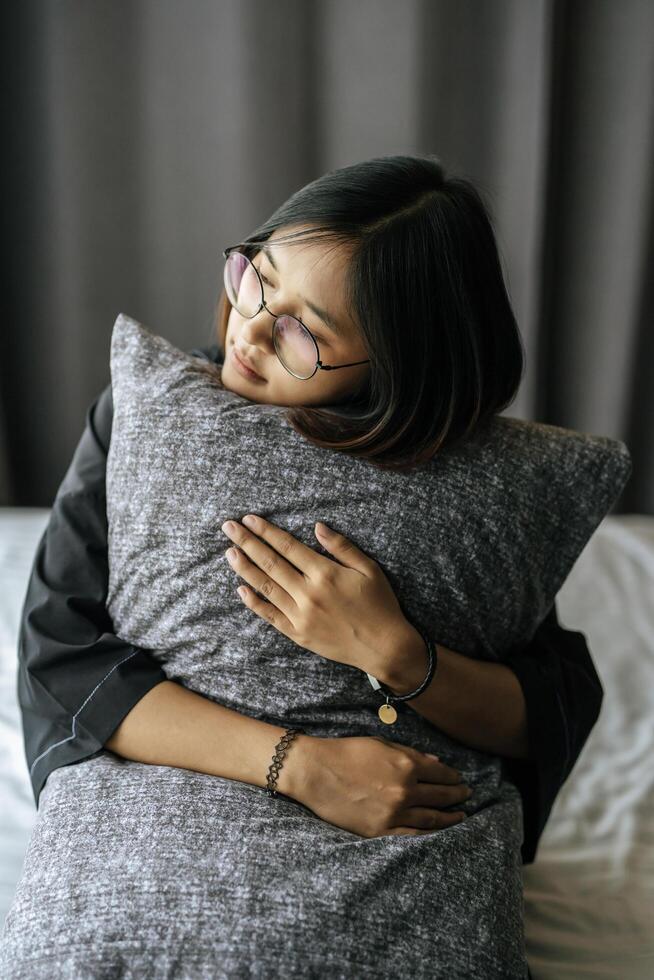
387, 712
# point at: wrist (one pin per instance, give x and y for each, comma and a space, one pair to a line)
296, 770
407, 668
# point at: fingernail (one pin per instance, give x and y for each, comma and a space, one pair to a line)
249, 520
432, 756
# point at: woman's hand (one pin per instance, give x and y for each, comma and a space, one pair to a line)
345, 610
373, 787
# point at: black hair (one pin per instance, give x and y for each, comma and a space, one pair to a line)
425, 287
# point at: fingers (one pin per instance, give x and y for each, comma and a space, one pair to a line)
263, 583
265, 542
431, 824
276, 559
429, 770
438, 795
429, 819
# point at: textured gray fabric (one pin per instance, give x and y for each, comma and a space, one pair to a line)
139, 870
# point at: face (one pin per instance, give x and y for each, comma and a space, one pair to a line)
305, 276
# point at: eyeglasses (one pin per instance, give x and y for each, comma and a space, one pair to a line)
295, 345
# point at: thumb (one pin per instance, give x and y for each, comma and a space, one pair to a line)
342, 547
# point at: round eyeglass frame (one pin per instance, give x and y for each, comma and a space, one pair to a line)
276, 316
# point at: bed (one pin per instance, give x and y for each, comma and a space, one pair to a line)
589, 896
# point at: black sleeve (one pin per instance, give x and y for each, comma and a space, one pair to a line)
563, 694
76, 679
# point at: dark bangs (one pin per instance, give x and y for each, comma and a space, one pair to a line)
425, 286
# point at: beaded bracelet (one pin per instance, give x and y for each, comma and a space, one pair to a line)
276, 764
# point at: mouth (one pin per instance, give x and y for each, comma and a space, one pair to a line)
244, 368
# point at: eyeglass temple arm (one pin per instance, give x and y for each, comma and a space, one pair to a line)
335, 367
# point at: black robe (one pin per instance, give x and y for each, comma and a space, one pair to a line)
77, 680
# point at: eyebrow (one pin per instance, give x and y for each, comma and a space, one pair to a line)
323, 314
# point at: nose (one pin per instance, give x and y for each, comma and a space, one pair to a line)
258, 330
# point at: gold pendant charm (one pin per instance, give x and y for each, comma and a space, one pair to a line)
387, 713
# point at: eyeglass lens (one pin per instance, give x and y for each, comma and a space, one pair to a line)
294, 344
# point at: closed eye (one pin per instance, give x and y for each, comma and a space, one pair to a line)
321, 340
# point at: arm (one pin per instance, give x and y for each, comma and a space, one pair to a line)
173, 726
476, 702
564, 697
76, 679
554, 687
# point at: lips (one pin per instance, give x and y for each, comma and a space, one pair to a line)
244, 361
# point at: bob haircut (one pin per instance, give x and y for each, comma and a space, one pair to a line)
425, 287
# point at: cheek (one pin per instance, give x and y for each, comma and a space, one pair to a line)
231, 326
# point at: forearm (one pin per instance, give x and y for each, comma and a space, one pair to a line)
476, 702
174, 726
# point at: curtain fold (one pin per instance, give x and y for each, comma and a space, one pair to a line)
144, 136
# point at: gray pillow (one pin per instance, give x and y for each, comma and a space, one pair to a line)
475, 544
132, 864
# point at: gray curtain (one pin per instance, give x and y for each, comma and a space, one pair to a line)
142, 136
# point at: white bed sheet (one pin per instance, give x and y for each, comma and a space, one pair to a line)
589, 897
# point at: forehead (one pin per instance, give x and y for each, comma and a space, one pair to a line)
318, 266
316, 251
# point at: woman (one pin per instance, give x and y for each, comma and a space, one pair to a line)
425, 243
